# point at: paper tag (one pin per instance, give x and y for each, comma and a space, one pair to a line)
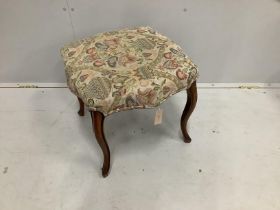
158, 117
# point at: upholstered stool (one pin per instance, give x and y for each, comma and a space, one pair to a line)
127, 69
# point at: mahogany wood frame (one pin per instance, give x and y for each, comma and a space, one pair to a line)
98, 121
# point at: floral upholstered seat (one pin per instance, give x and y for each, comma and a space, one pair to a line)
126, 69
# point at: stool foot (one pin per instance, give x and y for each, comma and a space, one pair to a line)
190, 105
97, 123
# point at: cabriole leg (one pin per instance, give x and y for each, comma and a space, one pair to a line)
97, 123
190, 105
81, 112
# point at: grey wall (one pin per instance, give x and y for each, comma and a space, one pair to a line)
230, 40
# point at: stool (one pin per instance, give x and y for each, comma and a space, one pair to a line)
127, 69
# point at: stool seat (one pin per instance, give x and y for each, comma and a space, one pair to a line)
126, 69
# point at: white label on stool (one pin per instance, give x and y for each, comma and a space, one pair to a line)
158, 117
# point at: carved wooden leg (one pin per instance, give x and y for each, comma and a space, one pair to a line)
81, 112
190, 105
97, 123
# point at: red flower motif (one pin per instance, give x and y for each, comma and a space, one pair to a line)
181, 75
167, 55
98, 63
91, 51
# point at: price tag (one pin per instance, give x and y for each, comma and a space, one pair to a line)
158, 117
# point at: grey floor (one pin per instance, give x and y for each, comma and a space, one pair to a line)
49, 158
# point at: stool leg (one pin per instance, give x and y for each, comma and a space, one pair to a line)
190, 105
81, 112
97, 123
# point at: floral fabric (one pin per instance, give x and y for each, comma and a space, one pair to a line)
126, 69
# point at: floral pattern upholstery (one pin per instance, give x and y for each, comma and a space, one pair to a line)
126, 69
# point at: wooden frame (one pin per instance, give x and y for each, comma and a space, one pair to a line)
98, 122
